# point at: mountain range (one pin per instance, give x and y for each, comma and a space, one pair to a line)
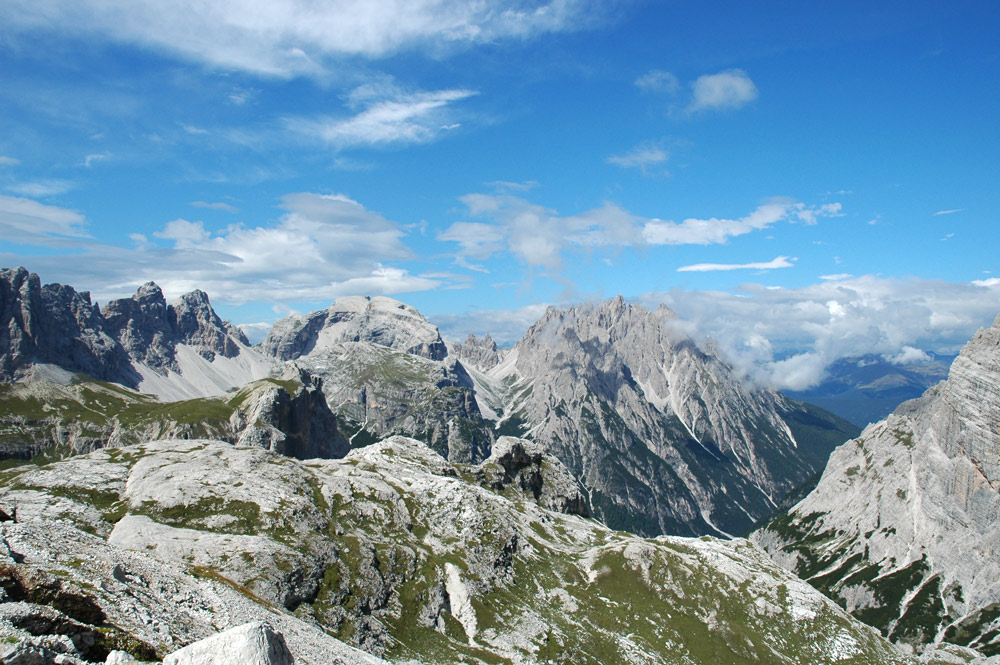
356, 482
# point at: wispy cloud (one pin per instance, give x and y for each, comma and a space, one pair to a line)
642, 157
92, 159
948, 212
730, 89
777, 262
658, 81
41, 188
218, 205
9, 161
30, 222
193, 130
539, 236
299, 37
399, 118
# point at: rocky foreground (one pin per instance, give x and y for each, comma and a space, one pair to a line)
392, 550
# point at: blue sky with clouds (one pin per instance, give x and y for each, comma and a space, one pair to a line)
799, 181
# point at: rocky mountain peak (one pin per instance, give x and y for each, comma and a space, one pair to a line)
480, 352
379, 320
149, 329
53, 324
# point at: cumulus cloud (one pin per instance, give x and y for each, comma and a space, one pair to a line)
777, 262
30, 222
908, 355
642, 157
323, 247
392, 117
298, 37
216, 205
731, 89
787, 337
539, 236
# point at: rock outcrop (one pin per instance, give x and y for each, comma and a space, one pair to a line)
253, 643
903, 528
663, 436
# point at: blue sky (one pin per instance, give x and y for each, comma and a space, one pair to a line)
799, 181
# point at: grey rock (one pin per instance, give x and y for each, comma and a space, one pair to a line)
663, 436
250, 644
149, 329
479, 352
54, 324
382, 321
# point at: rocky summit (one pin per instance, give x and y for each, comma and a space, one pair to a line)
663, 435
902, 530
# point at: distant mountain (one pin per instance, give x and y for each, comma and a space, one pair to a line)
177, 351
865, 389
661, 433
903, 530
385, 371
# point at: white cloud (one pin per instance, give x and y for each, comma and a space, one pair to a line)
323, 247
777, 262
92, 159
26, 221
506, 326
193, 130
948, 212
642, 157
296, 37
837, 277
712, 231
657, 80
908, 355
539, 236
810, 327
218, 205
9, 161
41, 188
256, 331
398, 118
730, 89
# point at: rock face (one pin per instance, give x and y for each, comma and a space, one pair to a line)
176, 351
54, 324
903, 528
479, 352
385, 371
398, 551
662, 435
149, 329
